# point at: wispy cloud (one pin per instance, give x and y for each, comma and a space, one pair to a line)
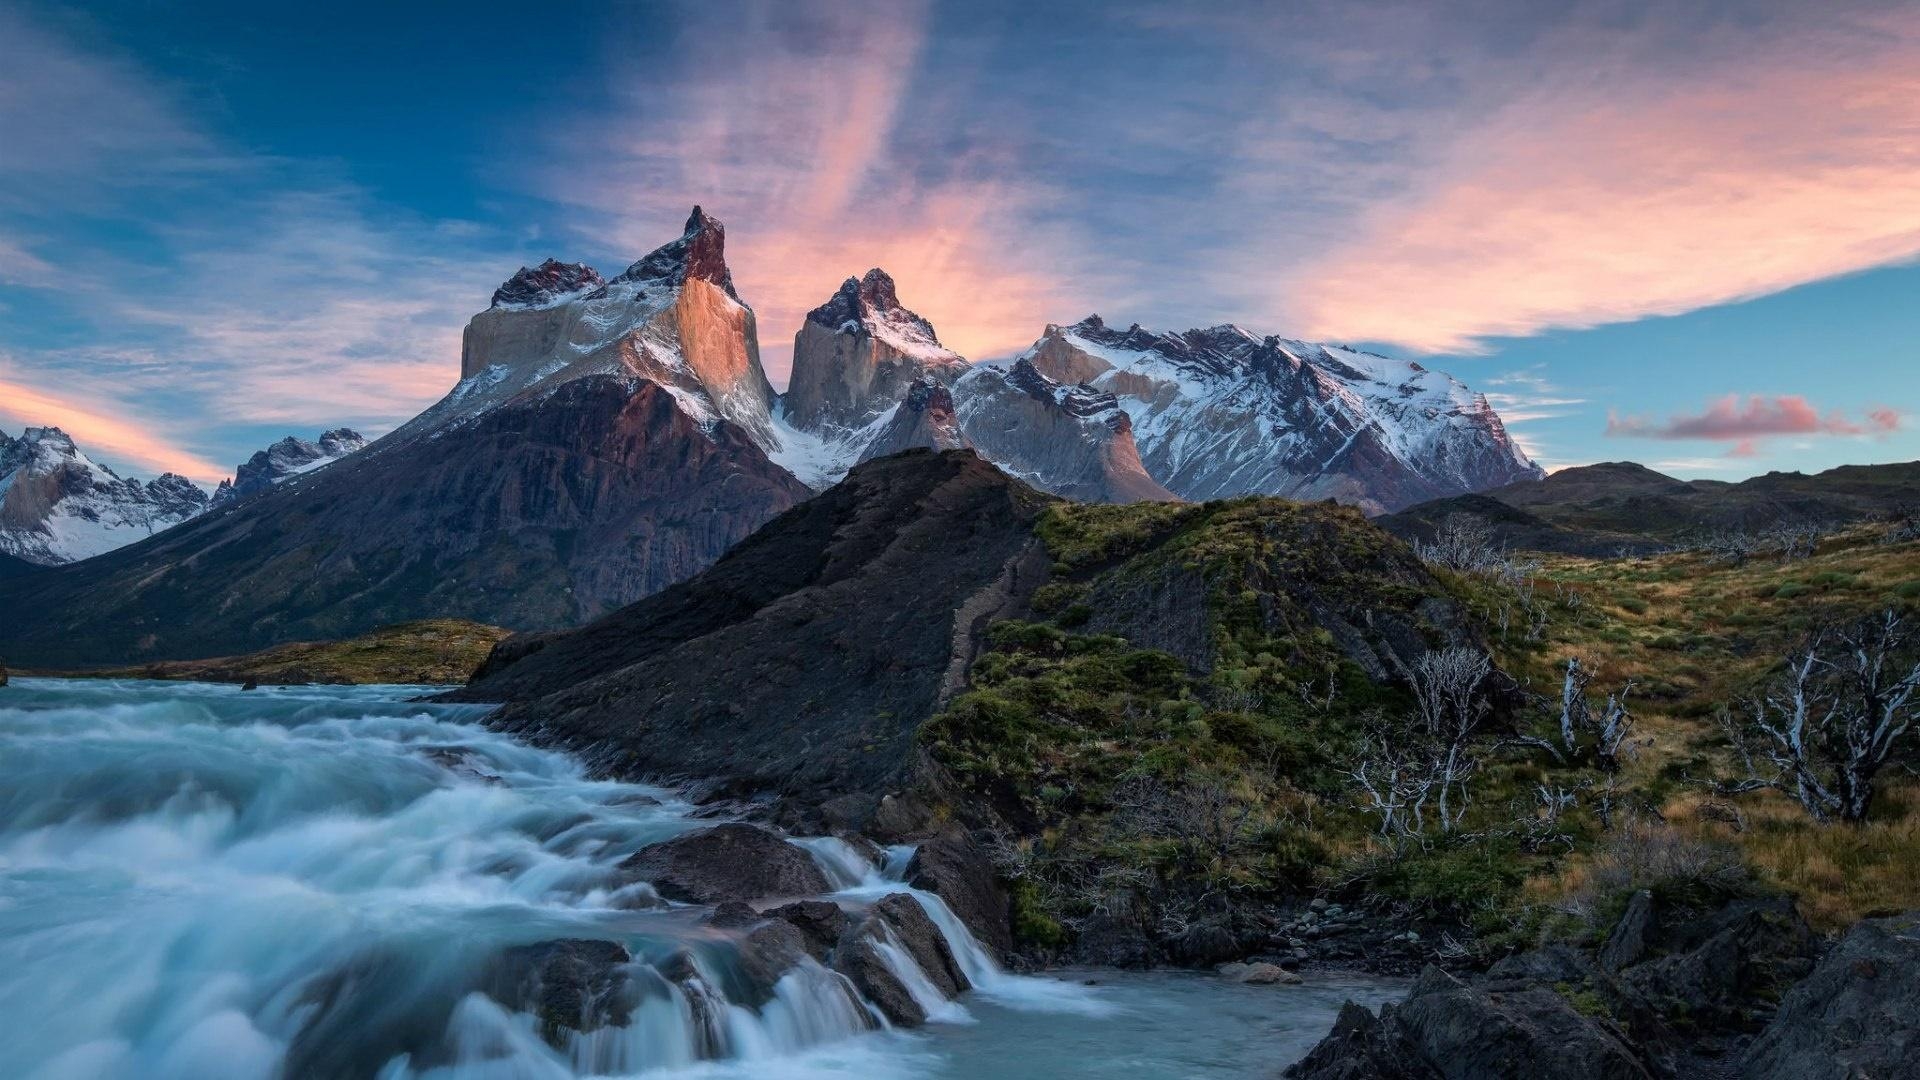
1626, 185
784, 121
144, 440
1730, 419
256, 290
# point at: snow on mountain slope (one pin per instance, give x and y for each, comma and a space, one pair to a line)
290, 457
59, 506
1071, 440
1219, 412
672, 318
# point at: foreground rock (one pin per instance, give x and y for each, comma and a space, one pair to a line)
727, 862
1671, 993
572, 984
898, 925
1857, 1015
954, 869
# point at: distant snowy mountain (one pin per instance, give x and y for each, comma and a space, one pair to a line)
1107, 415
1220, 412
291, 456
58, 506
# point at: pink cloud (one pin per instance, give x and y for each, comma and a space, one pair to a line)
103, 433
783, 126
1615, 190
1728, 418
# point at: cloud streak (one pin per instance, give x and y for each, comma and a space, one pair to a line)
102, 431
1619, 189
786, 125
1730, 419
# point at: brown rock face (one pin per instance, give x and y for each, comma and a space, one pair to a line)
857, 355
1070, 440
536, 514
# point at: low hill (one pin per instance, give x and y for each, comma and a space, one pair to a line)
1620, 506
427, 652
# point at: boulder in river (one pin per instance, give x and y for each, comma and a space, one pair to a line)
821, 922
570, 984
734, 861
952, 867
899, 922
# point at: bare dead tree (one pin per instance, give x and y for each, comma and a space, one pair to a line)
1827, 726
1729, 545
1795, 540
1427, 760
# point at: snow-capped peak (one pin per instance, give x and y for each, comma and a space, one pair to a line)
290, 457
57, 505
701, 252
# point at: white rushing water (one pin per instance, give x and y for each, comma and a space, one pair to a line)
200, 882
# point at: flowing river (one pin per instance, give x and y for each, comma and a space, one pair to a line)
198, 882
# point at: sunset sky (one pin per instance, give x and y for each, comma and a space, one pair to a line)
1681, 234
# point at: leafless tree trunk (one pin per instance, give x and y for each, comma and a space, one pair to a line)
1829, 724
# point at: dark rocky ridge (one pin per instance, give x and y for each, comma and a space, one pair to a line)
804, 661
863, 298
537, 514
699, 253
543, 283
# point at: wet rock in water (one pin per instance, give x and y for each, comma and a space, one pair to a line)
1204, 945
570, 984
820, 922
727, 862
1447, 1029
1856, 1016
768, 949
250, 684
899, 921
953, 868
1258, 974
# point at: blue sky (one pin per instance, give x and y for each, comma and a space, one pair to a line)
1679, 234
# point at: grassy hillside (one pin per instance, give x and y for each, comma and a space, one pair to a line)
428, 651
1169, 741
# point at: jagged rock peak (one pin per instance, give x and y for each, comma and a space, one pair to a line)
543, 285
1080, 400
863, 299
51, 437
701, 252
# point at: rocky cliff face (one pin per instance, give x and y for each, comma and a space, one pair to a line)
672, 318
1070, 440
588, 457
857, 354
871, 378
290, 456
58, 506
1219, 413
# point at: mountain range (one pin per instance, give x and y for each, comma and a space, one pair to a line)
609, 437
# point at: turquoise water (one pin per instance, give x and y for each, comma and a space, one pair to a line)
200, 882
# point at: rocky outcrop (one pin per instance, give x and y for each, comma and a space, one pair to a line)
552, 282
1220, 412
1856, 1016
59, 506
570, 984
728, 862
953, 868
289, 457
1447, 1030
803, 663
857, 354
1069, 440
1670, 993
924, 420
898, 924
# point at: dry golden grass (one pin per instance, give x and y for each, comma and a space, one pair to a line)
1694, 637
